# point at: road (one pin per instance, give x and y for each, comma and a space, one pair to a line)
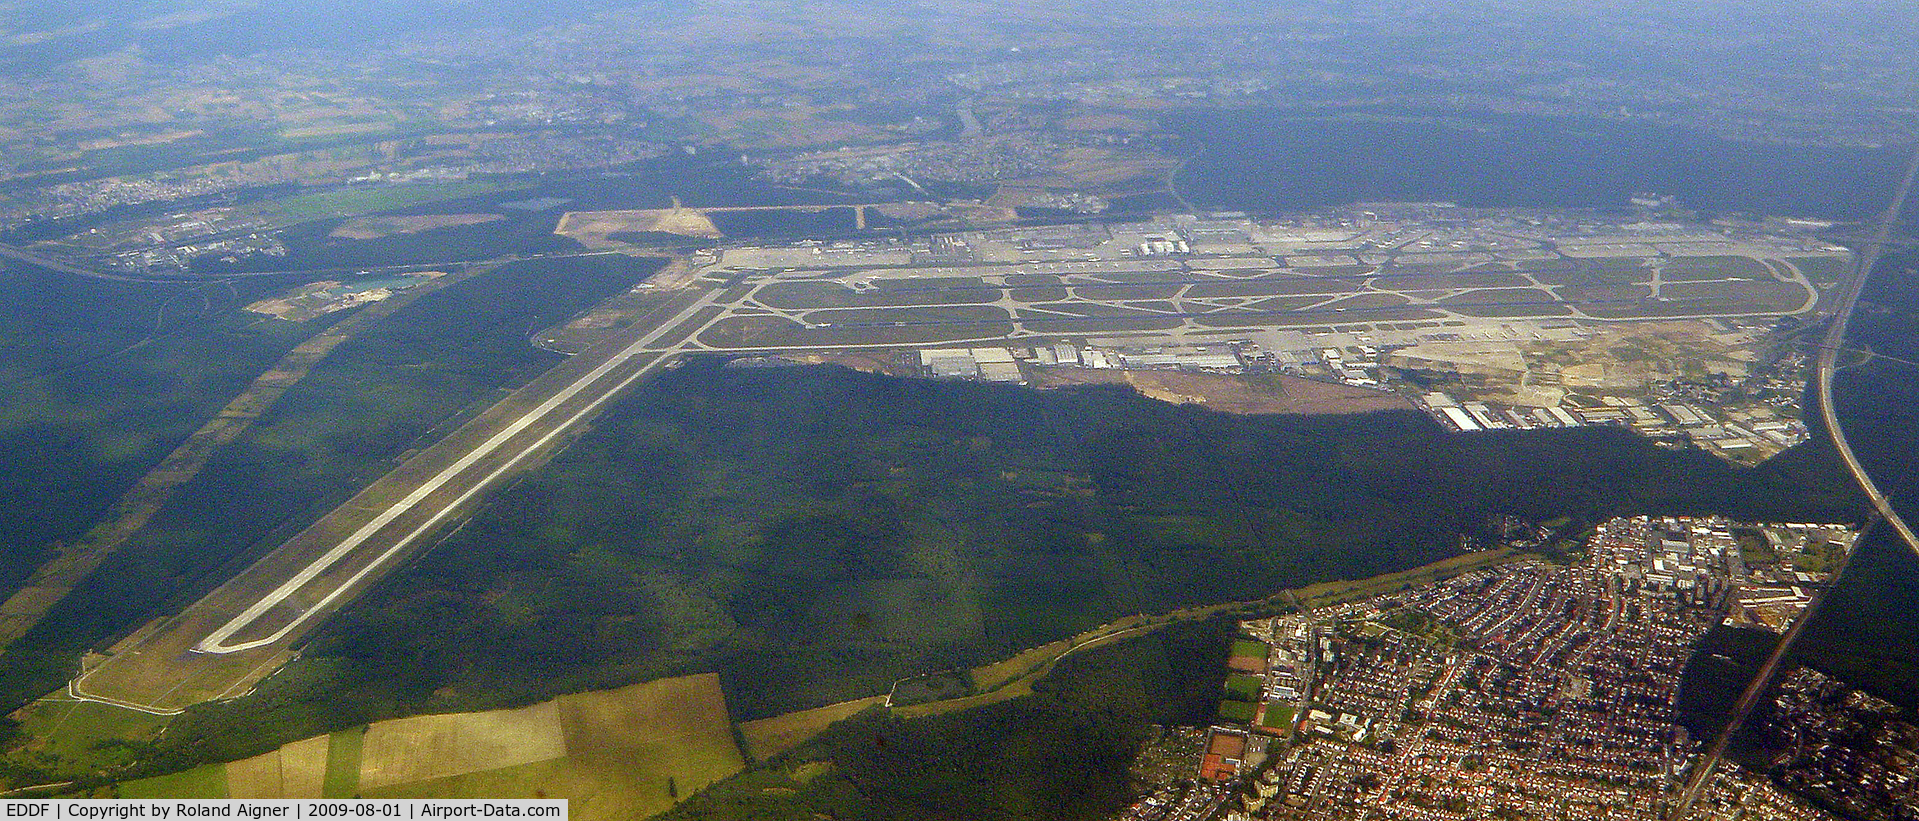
1824, 371
1835, 341
31, 258
222, 644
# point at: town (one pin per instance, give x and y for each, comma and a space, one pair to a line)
1527, 690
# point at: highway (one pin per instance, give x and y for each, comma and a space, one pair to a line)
31, 258
1835, 341
1827, 366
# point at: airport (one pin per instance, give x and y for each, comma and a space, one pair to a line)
1402, 272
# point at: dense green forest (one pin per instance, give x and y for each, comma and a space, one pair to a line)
814, 534
1862, 634
100, 379
1864, 630
1058, 754
1865, 633
392, 387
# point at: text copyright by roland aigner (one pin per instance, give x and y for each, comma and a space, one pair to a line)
125, 809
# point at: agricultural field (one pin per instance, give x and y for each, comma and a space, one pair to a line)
1713, 268
616, 754
769, 737
944, 591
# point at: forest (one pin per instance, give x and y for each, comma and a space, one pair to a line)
1061, 753
383, 392
99, 380
814, 534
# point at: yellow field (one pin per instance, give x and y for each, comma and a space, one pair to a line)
616, 754
626, 753
1319, 595
405, 750
769, 737
256, 777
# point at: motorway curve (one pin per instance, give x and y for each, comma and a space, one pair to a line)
1825, 369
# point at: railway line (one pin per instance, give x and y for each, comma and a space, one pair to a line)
1883, 511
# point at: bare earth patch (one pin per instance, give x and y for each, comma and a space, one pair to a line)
1247, 394
595, 229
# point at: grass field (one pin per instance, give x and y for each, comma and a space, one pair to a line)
1208, 290
775, 332
1241, 711
929, 313
209, 781
1249, 649
1695, 268
768, 737
1047, 294
816, 295
1767, 296
1082, 309
1243, 687
342, 777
